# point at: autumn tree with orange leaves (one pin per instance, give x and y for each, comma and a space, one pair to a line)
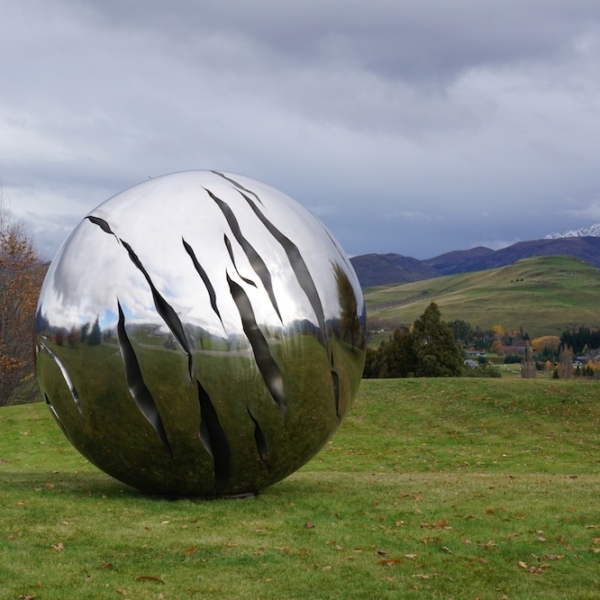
21, 275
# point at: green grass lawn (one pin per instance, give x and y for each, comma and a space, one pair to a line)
432, 488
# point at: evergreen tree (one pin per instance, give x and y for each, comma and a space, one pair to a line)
85, 329
463, 332
433, 347
372, 364
95, 336
397, 357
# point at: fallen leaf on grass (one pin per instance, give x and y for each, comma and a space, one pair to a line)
553, 556
535, 569
190, 550
428, 539
383, 553
58, 547
538, 570
411, 556
388, 562
441, 524
24, 597
149, 578
105, 565
422, 576
309, 525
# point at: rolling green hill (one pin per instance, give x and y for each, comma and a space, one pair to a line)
543, 295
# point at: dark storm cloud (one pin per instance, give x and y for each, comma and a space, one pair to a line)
414, 40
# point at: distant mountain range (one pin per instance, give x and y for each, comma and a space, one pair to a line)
384, 269
592, 230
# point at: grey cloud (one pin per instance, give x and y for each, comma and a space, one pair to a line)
448, 109
414, 39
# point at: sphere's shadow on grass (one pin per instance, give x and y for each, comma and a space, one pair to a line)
83, 485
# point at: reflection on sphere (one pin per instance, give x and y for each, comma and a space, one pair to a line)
200, 334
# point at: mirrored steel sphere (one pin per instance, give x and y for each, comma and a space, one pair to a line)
200, 334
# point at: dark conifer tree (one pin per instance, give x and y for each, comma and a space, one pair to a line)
397, 356
436, 354
94, 338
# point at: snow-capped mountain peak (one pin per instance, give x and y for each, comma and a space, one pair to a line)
592, 230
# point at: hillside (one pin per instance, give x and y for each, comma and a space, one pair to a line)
383, 269
373, 269
543, 295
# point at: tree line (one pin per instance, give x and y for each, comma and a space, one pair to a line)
581, 339
434, 348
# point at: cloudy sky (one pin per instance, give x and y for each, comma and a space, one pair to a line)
406, 126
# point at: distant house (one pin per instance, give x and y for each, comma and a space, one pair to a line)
472, 364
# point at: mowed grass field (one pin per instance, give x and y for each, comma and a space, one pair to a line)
543, 295
431, 488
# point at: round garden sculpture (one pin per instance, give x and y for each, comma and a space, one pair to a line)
200, 334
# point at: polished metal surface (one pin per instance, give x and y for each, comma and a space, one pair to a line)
200, 334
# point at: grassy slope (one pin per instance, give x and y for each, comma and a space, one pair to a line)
543, 295
431, 489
